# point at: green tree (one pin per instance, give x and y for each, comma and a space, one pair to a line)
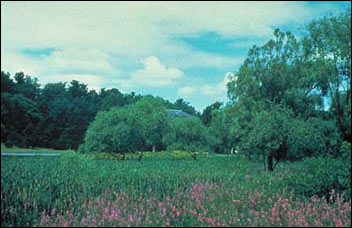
67, 112
223, 127
20, 119
27, 86
111, 98
20, 114
275, 73
7, 84
207, 112
279, 91
77, 89
152, 120
113, 131
131, 98
133, 128
188, 134
327, 46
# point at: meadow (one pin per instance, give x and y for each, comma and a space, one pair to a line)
169, 189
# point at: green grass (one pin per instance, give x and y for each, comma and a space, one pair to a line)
32, 150
32, 187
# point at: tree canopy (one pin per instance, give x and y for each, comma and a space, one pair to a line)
57, 115
188, 134
281, 93
136, 127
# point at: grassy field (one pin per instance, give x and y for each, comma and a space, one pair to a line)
14, 149
162, 190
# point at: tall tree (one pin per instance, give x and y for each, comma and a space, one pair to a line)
223, 127
287, 75
7, 84
207, 112
20, 119
27, 86
111, 98
327, 46
152, 120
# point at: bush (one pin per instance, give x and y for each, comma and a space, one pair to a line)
320, 176
346, 151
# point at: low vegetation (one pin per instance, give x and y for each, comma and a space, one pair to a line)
80, 190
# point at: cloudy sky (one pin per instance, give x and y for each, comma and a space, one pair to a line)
168, 49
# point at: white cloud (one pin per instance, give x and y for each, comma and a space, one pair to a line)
187, 91
137, 29
13, 62
217, 91
90, 67
200, 59
79, 60
153, 74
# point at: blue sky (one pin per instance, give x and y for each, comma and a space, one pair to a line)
168, 49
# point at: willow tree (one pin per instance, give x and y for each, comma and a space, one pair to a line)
136, 127
327, 47
287, 75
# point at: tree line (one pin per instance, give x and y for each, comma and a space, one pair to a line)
57, 115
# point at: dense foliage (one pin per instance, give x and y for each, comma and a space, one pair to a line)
58, 114
136, 127
188, 134
319, 176
291, 98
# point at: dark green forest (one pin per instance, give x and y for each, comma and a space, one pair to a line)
57, 115
290, 99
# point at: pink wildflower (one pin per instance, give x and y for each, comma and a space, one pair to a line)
339, 223
130, 218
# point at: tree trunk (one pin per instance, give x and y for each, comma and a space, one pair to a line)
264, 160
140, 156
339, 113
270, 161
231, 150
153, 148
194, 156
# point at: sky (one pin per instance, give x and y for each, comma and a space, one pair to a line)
168, 49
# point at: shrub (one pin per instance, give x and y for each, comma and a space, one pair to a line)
320, 176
